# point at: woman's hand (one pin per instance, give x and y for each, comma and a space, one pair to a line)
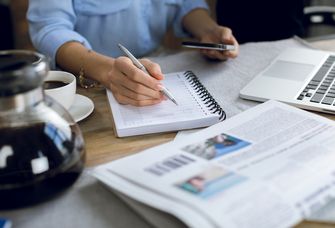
131, 85
220, 35
199, 23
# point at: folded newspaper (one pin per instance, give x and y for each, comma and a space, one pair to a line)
270, 166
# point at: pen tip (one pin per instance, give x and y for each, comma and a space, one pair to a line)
174, 101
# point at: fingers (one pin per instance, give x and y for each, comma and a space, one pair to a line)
222, 55
131, 85
125, 96
228, 38
128, 69
212, 54
221, 35
153, 68
128, 101
224, 33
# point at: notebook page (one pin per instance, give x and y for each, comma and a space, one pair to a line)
190, 106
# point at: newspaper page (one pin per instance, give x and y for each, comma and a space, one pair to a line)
269, 166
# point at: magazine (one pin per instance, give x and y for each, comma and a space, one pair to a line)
270, 166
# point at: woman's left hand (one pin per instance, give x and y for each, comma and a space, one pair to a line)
220, 35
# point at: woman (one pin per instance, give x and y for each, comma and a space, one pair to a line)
81, 36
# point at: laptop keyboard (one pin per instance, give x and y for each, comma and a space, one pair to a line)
321, 88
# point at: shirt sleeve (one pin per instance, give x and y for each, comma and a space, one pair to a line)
51, 24
186, 7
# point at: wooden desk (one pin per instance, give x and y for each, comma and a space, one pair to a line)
102, 145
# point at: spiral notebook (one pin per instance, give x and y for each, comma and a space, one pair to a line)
196, 108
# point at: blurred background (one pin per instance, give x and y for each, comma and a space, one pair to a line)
319, 22
319, 19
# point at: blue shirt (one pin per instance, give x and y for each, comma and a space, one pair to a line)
100, 25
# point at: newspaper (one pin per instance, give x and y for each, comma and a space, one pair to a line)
270, 166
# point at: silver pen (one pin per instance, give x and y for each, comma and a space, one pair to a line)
139, 65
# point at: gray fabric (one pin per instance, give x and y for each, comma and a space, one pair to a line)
325, 214
224, 80
153, 216
89, 204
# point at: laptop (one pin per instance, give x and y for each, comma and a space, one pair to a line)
300, 77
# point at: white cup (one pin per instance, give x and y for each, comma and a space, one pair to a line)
65, 94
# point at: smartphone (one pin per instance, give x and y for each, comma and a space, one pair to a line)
211, 46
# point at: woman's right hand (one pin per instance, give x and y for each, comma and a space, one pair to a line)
131, 85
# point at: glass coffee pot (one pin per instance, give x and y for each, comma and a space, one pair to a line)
41, 147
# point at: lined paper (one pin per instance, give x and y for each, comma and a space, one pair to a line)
190, 107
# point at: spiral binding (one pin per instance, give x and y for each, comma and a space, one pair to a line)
204, 95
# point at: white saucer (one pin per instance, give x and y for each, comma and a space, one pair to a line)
81, 107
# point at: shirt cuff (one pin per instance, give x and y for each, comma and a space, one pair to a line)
187, 7
55, 39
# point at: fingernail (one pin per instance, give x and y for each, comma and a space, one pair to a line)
159, 87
